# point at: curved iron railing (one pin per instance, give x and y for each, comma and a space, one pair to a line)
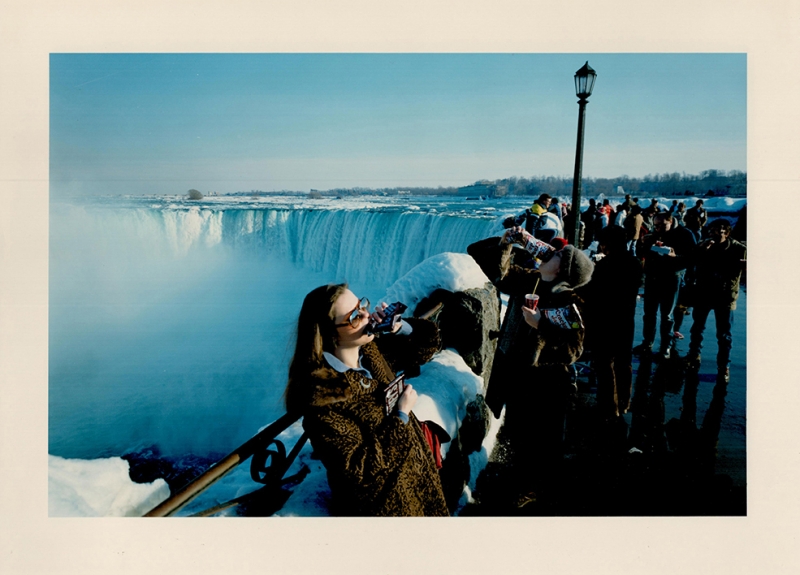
268, 467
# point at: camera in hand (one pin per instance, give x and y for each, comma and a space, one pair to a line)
518, 220
391, 317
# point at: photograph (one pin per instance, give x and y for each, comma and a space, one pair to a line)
220, 223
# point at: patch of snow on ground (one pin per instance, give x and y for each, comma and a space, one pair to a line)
99, 488
479, 459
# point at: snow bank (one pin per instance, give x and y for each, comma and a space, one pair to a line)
99, 488
450, 271
445, 386
730, 205
715, 204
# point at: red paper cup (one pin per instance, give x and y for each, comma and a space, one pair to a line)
531, 300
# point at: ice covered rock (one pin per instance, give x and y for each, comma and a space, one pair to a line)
468, 322
471, 312
450, 271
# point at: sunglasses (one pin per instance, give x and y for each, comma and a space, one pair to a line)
355, 315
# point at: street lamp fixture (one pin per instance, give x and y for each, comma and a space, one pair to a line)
584, 81
584, 84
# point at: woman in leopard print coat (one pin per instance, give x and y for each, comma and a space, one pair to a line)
377, 464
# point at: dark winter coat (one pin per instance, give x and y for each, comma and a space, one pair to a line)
695, 218
525, 356
718, 270
610, 301
376, 464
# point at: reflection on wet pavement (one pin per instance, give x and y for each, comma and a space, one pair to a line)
680, 450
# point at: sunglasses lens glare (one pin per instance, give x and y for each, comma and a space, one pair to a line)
363, 304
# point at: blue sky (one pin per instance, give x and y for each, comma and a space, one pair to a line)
164, 123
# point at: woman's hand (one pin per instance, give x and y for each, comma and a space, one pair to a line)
407, 400
531, 316
378, 315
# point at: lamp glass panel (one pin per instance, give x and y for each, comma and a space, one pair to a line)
580, 85
590, 84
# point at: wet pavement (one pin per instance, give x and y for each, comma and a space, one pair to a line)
681, 450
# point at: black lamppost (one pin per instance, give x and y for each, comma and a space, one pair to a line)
584, 84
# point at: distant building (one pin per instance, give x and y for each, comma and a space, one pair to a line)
485, 189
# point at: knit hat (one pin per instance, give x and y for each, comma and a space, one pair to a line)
576, 269
558, 243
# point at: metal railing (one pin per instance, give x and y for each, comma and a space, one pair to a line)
268, 467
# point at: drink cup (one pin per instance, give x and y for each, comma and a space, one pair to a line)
531, 300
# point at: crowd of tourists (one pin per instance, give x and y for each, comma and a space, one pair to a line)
681, 260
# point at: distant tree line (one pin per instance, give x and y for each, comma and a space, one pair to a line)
707, 183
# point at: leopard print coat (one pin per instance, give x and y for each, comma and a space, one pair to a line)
376, 464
